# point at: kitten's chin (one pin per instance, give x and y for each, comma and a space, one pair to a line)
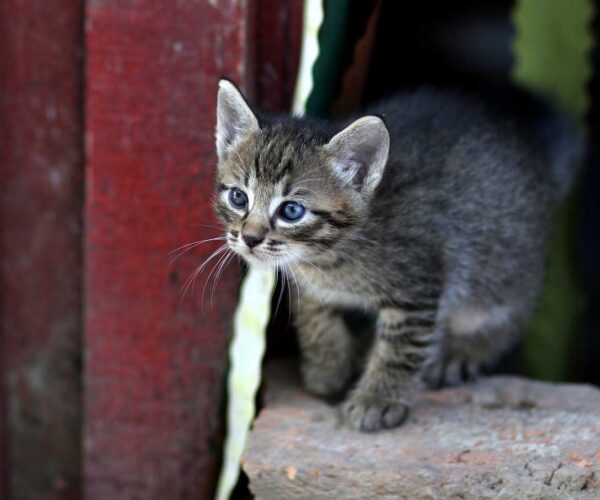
255, 260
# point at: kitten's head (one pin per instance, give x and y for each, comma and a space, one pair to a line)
287, 190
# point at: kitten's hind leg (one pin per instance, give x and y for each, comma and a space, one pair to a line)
404, 343
327, 348
476, 338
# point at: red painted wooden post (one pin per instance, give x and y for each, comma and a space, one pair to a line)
278, 37
155, 361
40, 240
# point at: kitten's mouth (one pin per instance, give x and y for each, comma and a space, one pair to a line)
264, 255
254, 257
251, 255
260, 257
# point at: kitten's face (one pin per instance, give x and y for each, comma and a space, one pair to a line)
285, 195
282, 207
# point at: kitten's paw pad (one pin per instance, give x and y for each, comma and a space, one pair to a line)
369, 414
325, 382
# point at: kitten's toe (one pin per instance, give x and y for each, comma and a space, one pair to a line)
460, 371
450, 372
370, 414
453, 374
434, 375
326, 382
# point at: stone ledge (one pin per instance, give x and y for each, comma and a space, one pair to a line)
502, 437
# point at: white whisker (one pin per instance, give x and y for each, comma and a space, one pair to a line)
289, 288
230, 256
206, 225
184, 248
281, 283
311, 286
297, 288
214, 268
295, 254
199, 269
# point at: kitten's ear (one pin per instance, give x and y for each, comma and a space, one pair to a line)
235, 119
360, 153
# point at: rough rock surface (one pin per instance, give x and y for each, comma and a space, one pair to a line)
502, 437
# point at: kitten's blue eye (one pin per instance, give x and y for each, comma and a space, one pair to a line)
291, 211
238, 198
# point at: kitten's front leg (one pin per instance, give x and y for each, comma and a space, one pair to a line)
404, 343
326, 346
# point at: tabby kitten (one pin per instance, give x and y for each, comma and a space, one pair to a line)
434, 220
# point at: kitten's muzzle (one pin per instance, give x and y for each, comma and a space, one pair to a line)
252, 240
254, 231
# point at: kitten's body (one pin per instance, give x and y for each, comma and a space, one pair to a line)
446, 248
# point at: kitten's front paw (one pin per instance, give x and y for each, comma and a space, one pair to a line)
326, 381
369, 413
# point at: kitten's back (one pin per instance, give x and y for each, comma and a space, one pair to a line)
473, 185
428, 122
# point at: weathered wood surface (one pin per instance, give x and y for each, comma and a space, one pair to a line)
278, 28
503, 437
156, 360
40, 247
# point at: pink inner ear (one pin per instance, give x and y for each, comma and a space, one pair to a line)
359, 177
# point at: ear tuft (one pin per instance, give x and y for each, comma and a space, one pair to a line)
360, 152
235, 119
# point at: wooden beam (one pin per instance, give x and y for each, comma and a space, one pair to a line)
40, 240
277, 41
155, 359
